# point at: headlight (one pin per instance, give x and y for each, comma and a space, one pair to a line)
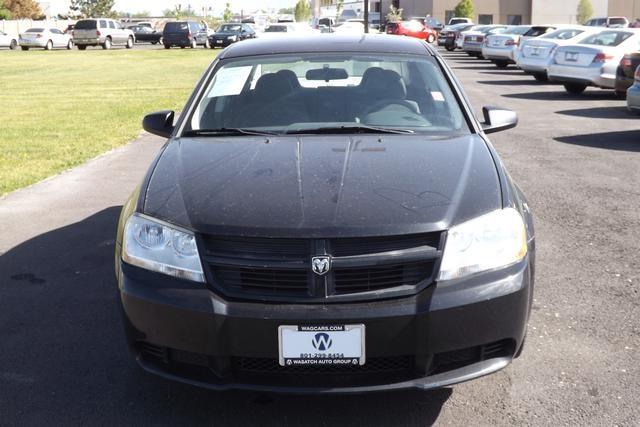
494, 240
158, 246
231, 37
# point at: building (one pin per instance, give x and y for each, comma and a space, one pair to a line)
512, 12
351, 9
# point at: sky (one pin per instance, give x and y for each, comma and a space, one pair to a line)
157, 6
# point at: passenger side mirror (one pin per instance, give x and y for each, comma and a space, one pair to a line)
497, 119
159, 123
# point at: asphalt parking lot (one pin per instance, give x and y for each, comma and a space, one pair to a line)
63, 358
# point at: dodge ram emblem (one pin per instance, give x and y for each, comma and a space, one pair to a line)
321, 264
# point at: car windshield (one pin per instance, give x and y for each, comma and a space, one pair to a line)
229, 28
287, 94
276, 29
517, 30
564, 34
87, 24
607, 38
35, 30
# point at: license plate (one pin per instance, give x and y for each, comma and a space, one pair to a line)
311, 345
218, 41
571, 56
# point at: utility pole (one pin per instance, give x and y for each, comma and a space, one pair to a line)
366, 16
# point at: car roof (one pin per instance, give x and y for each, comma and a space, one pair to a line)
367, 43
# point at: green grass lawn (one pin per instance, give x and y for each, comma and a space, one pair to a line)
60, 108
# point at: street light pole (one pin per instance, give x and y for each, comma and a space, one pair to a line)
366, 16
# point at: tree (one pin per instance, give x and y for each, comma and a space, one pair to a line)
395, 14
585, 11
4, 13
302, 11
286, 11
21, 9
227, 15
93, 8
464, 9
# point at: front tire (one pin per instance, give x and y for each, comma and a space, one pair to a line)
575, 88
49, 45
541, 77
194, 44
70, 45
107, 44
129, 44
13, 45
431, 38
207, 44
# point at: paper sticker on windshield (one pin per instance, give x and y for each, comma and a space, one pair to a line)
437, 96
229, 81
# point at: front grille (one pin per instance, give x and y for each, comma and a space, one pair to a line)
280, 269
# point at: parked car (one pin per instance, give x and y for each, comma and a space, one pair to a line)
501, 48
473, 39
8, 41
227, 34
412, 29
458, 20
625, 74
633, 94
145, 34
185, 34
102, 32
611, 22
594, 60
352, 26
45, 38
69, 29
537, 54
278, 29
449, 34
433, 23
265, 250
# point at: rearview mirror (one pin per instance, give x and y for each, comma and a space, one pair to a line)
159, 123
327, 74
497, 119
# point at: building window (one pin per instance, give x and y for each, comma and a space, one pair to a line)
514, 19
485, 19
448, 14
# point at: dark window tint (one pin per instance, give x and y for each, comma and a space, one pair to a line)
177, 27
112, 25
55, 31
607, 38
35, 30
103, 23
537, 31
87, 24
617, 21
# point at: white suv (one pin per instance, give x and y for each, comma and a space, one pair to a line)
102, 32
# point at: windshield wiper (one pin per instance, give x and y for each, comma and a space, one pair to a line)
351, 128
227, 132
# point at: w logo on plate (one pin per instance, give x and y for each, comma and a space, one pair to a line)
321, 341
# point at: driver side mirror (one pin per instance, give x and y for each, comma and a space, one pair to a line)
159, 123
497, 119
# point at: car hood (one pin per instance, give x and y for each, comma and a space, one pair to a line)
323, 186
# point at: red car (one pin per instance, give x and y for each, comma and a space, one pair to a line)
412, 29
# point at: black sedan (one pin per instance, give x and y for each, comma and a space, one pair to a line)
144, 34
448, 35
327, 216
227, 34
625, 73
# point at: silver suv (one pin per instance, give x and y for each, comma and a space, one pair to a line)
102, 32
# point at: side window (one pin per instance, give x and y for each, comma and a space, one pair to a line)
103, 23
112, 25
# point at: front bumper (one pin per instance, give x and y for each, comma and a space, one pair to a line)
221, 42
591, 75
498, 53
441, 336
633, 98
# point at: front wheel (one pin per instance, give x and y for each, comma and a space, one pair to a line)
541, 77
501, 63
207, 44
575, 88
431, 38
107, 44
70, 45
129, 44
194, 44
49, 45
13, 45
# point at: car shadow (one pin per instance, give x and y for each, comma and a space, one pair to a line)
527, 82
478, 68
619, 141
64, 358
616, 113
563, 95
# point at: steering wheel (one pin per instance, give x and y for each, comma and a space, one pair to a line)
386, 103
